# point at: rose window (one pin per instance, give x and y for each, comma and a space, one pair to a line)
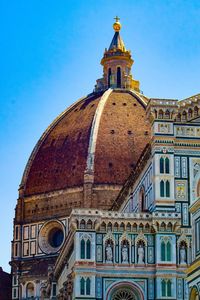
123, 294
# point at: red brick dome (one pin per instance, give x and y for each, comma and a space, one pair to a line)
102, 134
86, 154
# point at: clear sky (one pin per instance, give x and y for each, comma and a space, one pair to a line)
49, 57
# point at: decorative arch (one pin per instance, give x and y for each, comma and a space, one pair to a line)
109, 241
89, 224
160, 114
184, 116
125, 291
30, 289
198, 188
190, 113
194, 295
183, 243
125, 248
82, 224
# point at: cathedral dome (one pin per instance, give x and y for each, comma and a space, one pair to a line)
101, 135
95, 143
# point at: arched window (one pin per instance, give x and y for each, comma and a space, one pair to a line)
189, 113
82, 224
167, 114
167, 189
166, 288
169, 288
178, 118
88, 286
109, 76
164, 165
162, 251
116, 227
109, 226
118, 77
165, 251
82, 249
161, 165
184, 116
103, 226
122, 227
30, 293
163, 288
168, 246
88, 249
128, 227
82, 286
196, 111
160, 114
89, 224
162, 189
167, 165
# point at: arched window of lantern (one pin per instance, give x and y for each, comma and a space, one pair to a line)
167, 114
160, 114
109, 77
184, 116
190, 113
82, 286
196, 110
30, 290
118, 77
178, 118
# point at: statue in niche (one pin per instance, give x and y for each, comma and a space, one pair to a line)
109, 253
182, 255
124, 254
140, 254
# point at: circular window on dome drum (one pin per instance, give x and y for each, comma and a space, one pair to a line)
51, 237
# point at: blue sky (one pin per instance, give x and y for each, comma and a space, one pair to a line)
49, 57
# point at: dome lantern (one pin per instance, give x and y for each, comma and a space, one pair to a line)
117, 63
